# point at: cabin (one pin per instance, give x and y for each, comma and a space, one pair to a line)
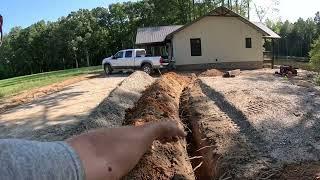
220, 39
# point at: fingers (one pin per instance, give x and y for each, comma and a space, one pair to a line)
170, 132
174, 129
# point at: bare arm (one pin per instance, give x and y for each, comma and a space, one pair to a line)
112, 153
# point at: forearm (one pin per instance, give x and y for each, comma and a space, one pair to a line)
111, 153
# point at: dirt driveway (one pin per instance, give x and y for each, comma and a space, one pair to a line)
71, 105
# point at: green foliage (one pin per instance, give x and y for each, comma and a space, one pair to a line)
85, 37
296, 38
315, 55
15, 85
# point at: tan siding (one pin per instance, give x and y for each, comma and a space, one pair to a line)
222, 38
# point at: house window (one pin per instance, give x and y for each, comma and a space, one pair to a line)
248, 43
195, 47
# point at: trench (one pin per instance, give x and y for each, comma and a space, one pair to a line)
187, 159
199, 149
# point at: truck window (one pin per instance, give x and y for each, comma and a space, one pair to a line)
141, 53
128, 54
119, 55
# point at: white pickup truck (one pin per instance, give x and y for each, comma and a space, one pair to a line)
133, 59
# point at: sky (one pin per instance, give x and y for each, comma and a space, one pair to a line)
26, 12
291, 9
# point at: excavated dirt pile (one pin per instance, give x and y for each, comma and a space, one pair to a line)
211, 73
158, 103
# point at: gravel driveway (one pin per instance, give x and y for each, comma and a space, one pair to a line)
71, 105
283, 112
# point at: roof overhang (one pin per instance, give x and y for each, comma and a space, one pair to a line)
157, 35
151, 35
225, 12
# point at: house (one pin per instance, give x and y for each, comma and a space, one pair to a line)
220, 39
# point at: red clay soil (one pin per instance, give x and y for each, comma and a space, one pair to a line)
211, 73
203, 161
161, 102
31, 95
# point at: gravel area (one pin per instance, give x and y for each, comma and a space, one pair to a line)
78, 108
279, 116
52, 114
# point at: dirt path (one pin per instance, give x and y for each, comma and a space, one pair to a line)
71, 105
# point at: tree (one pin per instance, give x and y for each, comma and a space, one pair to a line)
315, 55
85, 37
264, 8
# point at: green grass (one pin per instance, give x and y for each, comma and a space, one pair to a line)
12, 86
295, 63
298, 64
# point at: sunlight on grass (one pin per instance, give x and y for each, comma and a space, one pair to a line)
297, 64
12, 86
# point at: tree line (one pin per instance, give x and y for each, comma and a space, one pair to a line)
296, 38
85, 37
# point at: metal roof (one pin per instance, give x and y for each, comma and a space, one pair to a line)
225, 12
159, 34
271, 33
154, 34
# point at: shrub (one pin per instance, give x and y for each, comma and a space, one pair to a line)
315, 55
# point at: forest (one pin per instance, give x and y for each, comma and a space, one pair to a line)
85, 37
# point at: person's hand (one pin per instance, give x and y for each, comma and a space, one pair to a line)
113, 153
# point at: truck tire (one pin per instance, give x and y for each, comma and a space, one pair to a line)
147, 68
107, 69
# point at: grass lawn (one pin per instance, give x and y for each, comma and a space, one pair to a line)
12, 86
295, 63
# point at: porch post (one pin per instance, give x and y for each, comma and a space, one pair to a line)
273, 54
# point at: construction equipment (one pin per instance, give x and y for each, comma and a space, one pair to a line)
232, 74
287, 71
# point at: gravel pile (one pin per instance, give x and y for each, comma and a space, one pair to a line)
111, 112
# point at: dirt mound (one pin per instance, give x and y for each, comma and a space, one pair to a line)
212, 73
111, 112
161, 102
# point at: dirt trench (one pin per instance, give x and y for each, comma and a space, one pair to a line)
217, 149
203, 154
158, 103
221, 143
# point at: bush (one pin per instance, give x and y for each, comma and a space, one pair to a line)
315, 55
